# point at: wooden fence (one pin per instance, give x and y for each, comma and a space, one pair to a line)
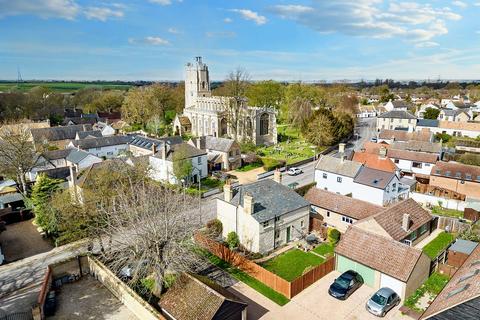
288, 289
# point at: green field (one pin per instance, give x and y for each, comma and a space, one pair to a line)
61, 86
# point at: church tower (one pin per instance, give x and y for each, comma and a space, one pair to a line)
197, 82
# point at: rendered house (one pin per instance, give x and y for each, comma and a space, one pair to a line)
382, 262
104, 128
142, 146
390, 136
108, 147
223, 153
57, 136
88, 134
339, 211
398, 105
456, 129
396, 119
49, 160
458, 115
413, 162
264, 214
456, 177
81, 160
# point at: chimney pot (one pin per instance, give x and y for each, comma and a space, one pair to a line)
277, 176
341, 147
382, 152
154, 148
248, 204
227, 192
406, 222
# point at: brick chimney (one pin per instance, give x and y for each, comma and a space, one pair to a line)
164, 150
382, 153
341, 147
406, 222
154, 148
277, 176
248, 203
227, 191
73, 177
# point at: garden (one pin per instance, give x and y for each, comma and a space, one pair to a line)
292, 264
438, 245
422, 297
438, 210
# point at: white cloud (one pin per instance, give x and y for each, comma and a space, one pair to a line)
251, 15
65, 9
156, 41
415, 22
460, 4
227, 20
220, 34
102, 14
427, 44
174, 31
164, 2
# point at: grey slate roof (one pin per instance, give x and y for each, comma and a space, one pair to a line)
335, 165
56, 173
398, 114
270, 198
56, 154
427, 123
76, 156
190, 151
374, 178
11, 197
92, 133
216, 144
58, 133
463, 246
146, 142
412, 145
101, 142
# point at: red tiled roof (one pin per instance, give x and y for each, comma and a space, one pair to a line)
455, 170
412, 155
374, 161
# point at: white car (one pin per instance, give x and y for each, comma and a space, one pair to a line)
294, 171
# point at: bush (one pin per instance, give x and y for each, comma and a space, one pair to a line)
214, 227
333, 236
271, 164
443, 137
232, 240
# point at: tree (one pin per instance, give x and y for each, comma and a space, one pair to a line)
431, 113
182, 164
333, 236
232, 240
321, 130
265, 94
17, 154
235, 87
344, 124
300, 113
106, 101
42, 191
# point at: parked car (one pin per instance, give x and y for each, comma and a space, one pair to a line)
345, 285
382, 301
293, 171
374, 139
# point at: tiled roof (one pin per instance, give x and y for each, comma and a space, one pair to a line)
92, 134
373, 177
391, 218
195, 297
189, 151
374, 161
184, 121
402, 135
216, 144
397, 114
462, 287
455, 170
427, 123
422, 146
412, 155
400, 104
388, 256
344, 205
58, 133
56, 173
56, 154
470, 126
271, 199
76, 156
101, 142
335, 165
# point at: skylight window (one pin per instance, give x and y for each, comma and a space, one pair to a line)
469, 275
448, 173
475, 263
458, 290
468, 176
458, 174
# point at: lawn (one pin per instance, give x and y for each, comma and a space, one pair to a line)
437, 245
292, 264
248, 280
250, 166
447, 212
432, 286
325, 249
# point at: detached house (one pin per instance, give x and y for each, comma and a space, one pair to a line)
144, 146
396, 119
398, 105
223, 153
264, 214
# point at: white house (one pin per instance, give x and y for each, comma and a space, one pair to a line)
366, 111
81, 159
458, 115
264, 214
106, 129
223, 153
145, 146
396, 119
49, 160
161, 163
457, 129
399, 105
106, 147
413, 162
336, 175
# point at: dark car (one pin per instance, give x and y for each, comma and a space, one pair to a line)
345, 285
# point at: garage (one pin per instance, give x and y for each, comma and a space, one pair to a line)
392, 283
345, 264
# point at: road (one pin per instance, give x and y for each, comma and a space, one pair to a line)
20, 281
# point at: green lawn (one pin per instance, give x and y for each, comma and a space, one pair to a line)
292, 264
325, 249
447, 212
250, 166
432, 286
437, 245
248, 280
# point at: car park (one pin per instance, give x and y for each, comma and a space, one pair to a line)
346, 284
294, 171
382, 301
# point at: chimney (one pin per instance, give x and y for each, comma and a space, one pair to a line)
382, 153
277, 176
164, 150
406, 222
248, 203
154, 148
84, 127
341, 147
73, 177
227, 191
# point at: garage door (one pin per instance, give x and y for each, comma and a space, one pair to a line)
345, 264
392, 283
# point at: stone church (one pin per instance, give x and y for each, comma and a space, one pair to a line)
207, 115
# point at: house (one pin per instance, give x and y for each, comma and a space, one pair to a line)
378, 160
57, 136
418, 146
366, 111
161, 162
457, 129
398, 105
181, 125
24, 126
14, 201
396, 119
141, 145
390, 136
456, 177
460, 298
405, 221
88, 134
265, 214
103, 147
463, 145
413, 162
223, 153
336, 175
382, 262
49, 160
106, 129
456, 105
81, 159
73, 121
339, 211
197, 297
458, 115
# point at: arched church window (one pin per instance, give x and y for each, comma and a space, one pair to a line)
264, 124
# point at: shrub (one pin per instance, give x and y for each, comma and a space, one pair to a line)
270, 163
214, 227
333, 236
443, 137
232, 240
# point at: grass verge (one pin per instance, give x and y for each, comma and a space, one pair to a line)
437, 245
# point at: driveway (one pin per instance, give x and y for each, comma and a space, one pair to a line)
315, 303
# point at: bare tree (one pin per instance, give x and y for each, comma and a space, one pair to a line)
236, 87
150, 230
17, 154
300, 112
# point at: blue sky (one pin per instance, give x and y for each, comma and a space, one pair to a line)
283, 40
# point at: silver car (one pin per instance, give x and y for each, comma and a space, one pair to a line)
382, 301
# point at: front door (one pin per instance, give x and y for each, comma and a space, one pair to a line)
288, 234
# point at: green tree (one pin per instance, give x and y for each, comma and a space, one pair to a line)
105, 102
431, 113
182, 164
321, 130
333, 236
265, 94
232, 240
42, 192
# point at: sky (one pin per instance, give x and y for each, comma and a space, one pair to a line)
306, 40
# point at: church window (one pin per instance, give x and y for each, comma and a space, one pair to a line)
264, 124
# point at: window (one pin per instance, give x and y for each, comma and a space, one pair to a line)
98, 148
277, 234
397, 161
394, 186
277, 219
427, 164
328, 213
230, 154
110, 153
347, 219
423, 229
413, 236
339, 179
417, 165
199, 160
324, 176
265, 224
238, 152
301, 223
